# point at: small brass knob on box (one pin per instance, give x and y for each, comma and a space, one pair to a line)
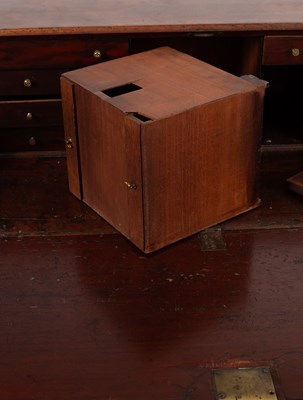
97, 54
69, 143
295, 52
131, 185
29, 116
27, 82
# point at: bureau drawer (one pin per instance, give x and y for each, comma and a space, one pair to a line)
58, 51
32, 139
283, 50
30, 83
30, 114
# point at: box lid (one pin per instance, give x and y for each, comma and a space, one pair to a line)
158, 83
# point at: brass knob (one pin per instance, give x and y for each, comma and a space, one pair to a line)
27, 82
32, 141
295, 52
29, 116
131, 185
69, 143
97, 54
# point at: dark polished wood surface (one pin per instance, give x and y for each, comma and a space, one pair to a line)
105, 16
35, 199
86, 315
91, 317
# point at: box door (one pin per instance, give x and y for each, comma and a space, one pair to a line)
109, 151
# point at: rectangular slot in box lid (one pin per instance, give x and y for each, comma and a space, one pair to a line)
166, 145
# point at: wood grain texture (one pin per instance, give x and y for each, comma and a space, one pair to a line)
110, 154
35, 200
277, 50
104, 16
29, 139
203, 170
171, 81
199, 138
280, 208
89, 317
71, 137
238, 54
63, 52
44, 83
44, 113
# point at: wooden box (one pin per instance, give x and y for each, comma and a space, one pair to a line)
162, 145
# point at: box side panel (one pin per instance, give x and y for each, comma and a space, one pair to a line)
71, 137
200, 167
110, 160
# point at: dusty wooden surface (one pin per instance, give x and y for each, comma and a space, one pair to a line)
124, 16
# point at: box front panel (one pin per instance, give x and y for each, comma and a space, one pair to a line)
109, 144
200, 167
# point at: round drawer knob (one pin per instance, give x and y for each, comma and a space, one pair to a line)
97, 54
32, 141
27, 82
295, 52
29, 116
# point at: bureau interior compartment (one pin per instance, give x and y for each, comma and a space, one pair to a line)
283, 105
238, 55
30, 98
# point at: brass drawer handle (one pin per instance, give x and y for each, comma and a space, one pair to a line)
29, 116
295, 52
27, 82
97, 54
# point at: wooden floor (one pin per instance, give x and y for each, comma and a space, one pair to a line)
85, 315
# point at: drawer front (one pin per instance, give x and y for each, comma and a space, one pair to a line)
30, 114
58, 51
283, 50
30, 83
31, 139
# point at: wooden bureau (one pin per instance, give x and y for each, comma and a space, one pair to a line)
30, 70
86, 316
38, 43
